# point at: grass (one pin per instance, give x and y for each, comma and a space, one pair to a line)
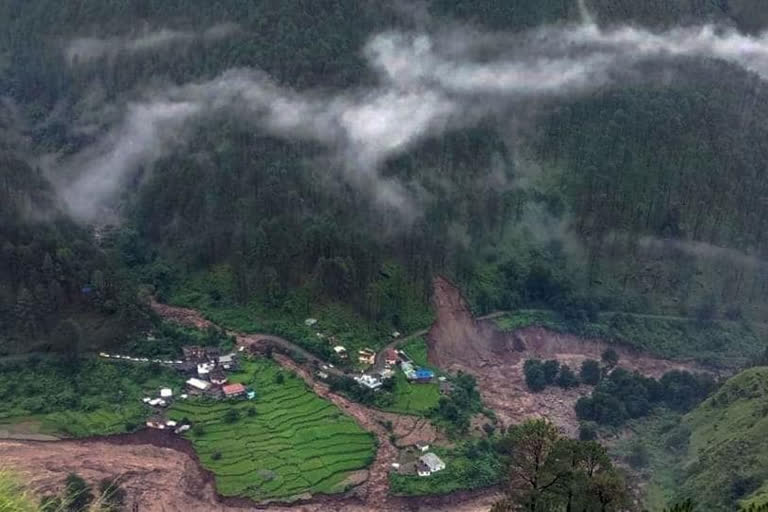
716, 454
724, 343
416, 348
466, 468
13, 496
294, 443
88, 397
413, 398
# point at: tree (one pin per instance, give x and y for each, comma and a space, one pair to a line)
533, 468
610, 358
590, 372
279, 378
567, 379
534, 375
550, 369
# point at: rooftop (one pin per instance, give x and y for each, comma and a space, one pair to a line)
233, 389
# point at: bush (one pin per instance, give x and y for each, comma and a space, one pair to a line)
590, 372
567, 379
638, 456
587, 431
279, 378
534, 375
251, 411
198, 429
550, 369
216, 455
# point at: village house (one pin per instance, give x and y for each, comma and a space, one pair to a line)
366, 356
422, 446
198, 386
340, 351
233, 390
423, 375
228, 362
390, 357
203, 369
217, 376
429, 463
166, 393
368, 381
408, 370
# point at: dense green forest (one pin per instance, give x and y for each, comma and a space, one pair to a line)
620, 199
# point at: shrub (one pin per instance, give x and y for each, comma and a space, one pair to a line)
587, 431
279, 378
198, 429
567, 379
534, 375
251, 411
590, 372
638, 456
550, 369
216, 455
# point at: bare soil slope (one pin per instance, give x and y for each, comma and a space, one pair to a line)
457, 341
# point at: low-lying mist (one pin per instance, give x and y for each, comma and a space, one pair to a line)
427, 83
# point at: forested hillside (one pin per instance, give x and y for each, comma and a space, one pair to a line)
647, 198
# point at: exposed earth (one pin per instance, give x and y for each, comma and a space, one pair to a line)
459, 342
162, 473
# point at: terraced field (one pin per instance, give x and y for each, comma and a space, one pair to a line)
285, 443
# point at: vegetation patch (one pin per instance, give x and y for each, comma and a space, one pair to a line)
413, 397
471, 465
80, 397
717, 343
284, 443
715, 454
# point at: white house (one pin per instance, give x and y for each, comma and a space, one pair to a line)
430, 463
166, 393
198, 384
368, 381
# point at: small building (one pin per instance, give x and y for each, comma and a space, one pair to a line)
250, 394
233, 390
203, 369
217, 376
423, 375
395, 334
170, 423
322, 375
368, 381
390, 357
430, 463
408, 370
340, 351
309, 322
155, 424
366, 356
198, 385
228, 362
197, 354
422, 469
166, 392
386, 373
186, 367
422, 446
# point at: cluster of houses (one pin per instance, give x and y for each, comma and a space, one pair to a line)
210, 369
419, 460
393, 357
